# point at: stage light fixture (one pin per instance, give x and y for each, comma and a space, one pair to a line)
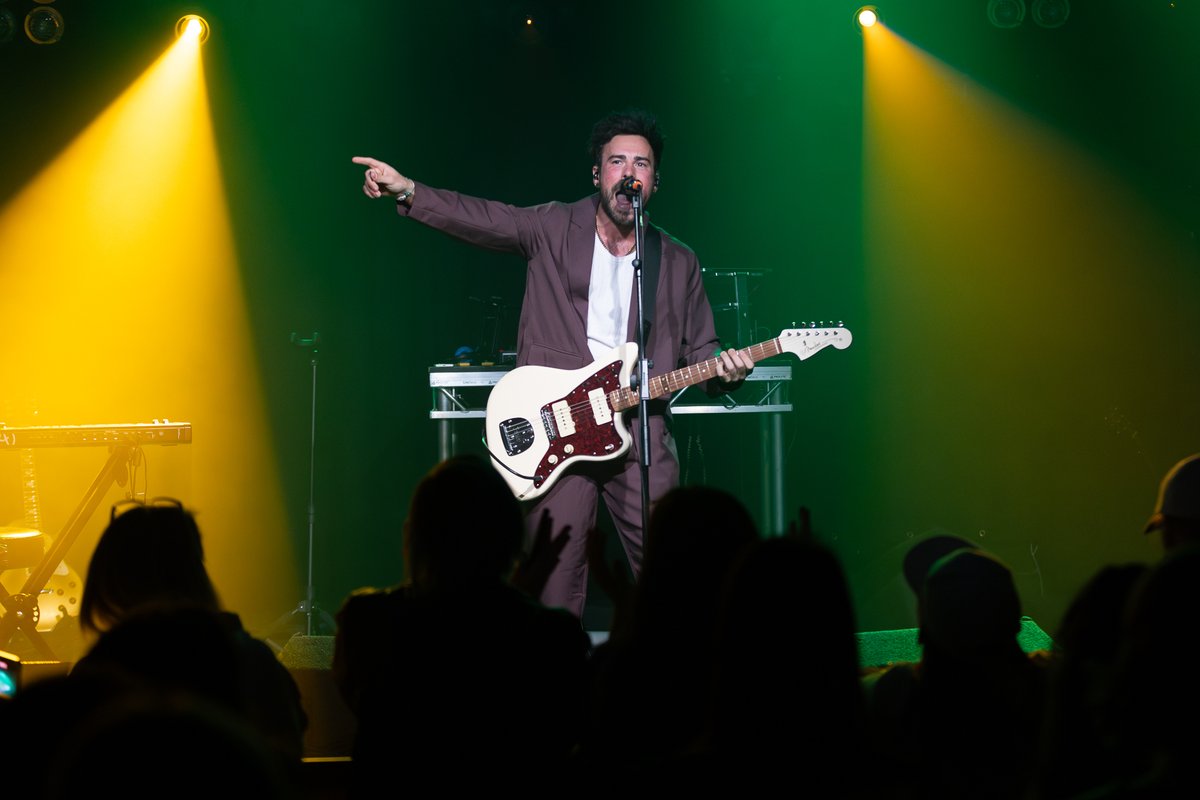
866, 17
192, 25
1006, 13
1051, 13
44, 25
8, 24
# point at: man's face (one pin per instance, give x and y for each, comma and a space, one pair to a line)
624, 157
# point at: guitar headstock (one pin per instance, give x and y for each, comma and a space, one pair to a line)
806, 341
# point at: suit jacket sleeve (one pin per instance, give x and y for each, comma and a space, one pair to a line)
489, 224
557, 240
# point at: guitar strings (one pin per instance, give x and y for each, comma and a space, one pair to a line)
582, 405
755, 353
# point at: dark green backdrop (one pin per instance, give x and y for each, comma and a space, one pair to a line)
762, 105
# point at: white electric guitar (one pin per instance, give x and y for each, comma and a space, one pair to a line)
540, 419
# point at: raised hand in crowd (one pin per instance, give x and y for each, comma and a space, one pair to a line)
535, 567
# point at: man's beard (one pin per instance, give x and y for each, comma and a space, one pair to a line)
622, 218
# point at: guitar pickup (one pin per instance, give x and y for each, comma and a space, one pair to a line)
601, 411
562, 418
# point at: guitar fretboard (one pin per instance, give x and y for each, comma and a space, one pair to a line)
621, 399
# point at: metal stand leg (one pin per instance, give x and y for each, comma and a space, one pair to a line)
741, 303
308, 606
771, 427
18, 605
447, 443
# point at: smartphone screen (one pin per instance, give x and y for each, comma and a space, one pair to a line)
10, 675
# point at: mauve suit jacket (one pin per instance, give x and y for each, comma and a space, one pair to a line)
557, 240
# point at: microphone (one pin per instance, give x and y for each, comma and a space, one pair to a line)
630, 187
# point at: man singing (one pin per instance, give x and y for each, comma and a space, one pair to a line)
579, 304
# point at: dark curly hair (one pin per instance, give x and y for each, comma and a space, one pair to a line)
630, 122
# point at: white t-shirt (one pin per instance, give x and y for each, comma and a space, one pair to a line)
608, 300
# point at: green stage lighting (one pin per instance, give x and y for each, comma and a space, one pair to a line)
1051, 13
1006, 13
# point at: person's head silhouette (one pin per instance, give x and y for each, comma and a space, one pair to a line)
149, 556
464, 526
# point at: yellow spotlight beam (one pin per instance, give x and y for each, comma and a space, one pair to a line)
121, 277
1000, 261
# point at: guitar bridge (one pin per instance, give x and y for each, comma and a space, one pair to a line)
548, 423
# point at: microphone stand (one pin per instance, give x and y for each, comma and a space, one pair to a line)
308, 606
643, 364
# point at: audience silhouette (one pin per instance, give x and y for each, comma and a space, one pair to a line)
148, 570
651, 679
732, 661
1148, 718
456, 675
925, 553
1176, 517
160, 641
786, 699
149, 556
165, 742
1082, 660
964, 720
41, 719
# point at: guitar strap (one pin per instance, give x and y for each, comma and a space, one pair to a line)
650, 271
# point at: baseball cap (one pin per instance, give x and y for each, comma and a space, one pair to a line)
1179, 494
971, 606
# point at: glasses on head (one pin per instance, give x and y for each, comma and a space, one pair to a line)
121, 506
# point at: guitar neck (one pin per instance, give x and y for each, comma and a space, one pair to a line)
621, 399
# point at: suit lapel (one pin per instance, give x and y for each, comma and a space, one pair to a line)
581, 243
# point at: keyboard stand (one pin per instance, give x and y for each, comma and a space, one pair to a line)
21, 608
